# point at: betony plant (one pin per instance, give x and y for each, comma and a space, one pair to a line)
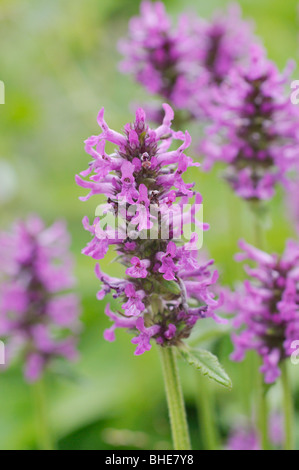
166, 290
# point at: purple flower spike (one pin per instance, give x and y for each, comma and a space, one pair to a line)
186, 64
36, 270
255, 130
267, 308
143, 180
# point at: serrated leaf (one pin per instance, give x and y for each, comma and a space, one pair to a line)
207, 364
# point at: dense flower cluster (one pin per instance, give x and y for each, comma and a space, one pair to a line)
37, 317
165, 289
256, 129
267, 308
184, 64
161, 59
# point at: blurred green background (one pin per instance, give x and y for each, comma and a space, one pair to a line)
59, 63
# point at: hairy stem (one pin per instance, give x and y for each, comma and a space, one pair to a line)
41, 414
175, 400
259, 241
262, 411
263, 414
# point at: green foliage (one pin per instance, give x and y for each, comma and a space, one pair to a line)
207, 364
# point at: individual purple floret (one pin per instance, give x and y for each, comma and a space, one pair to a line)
267, 307
38, 317
165, 290
256, 129
187, 63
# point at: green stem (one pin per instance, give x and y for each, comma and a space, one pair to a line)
42, 426
206, 415
175, 400
258, 227
288, 407
263, 414
261, 396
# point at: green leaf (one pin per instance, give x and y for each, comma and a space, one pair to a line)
207, 364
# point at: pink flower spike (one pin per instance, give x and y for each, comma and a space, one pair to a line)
143, 172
